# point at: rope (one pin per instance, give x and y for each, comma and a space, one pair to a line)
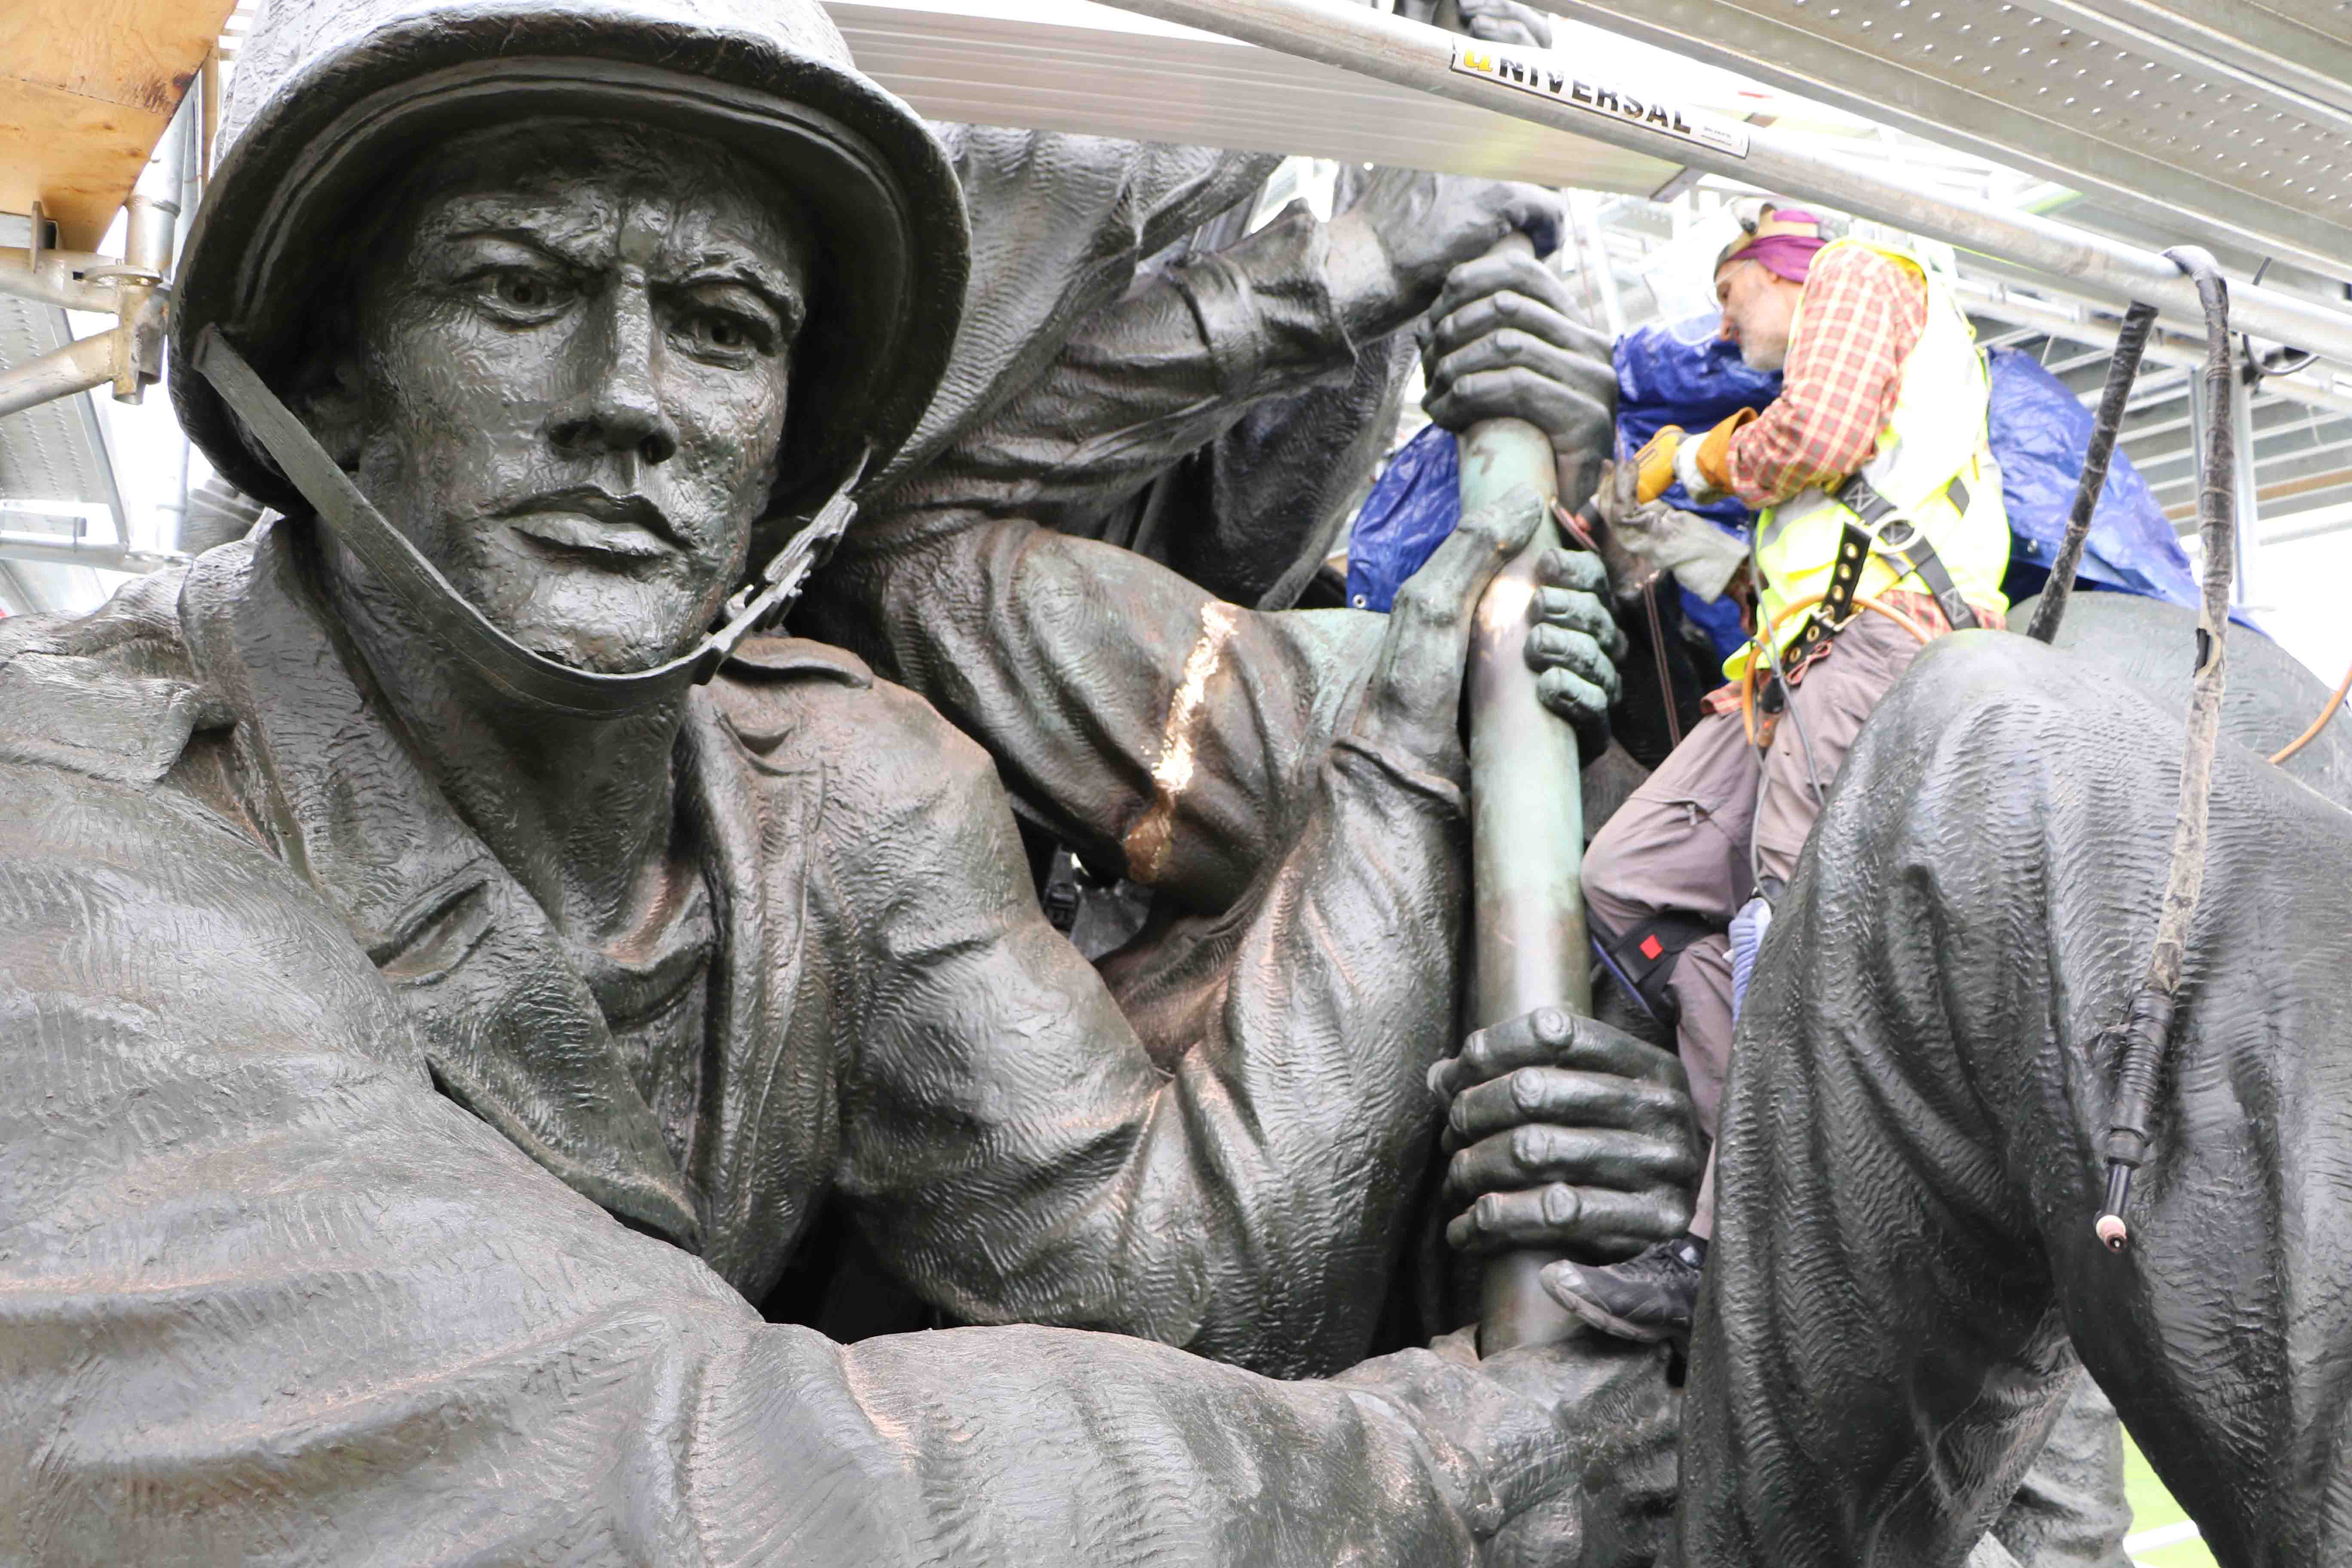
1658, 649
2308, 736
2147, 1028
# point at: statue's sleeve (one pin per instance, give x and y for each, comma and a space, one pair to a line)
1227, 1163
1141, 382
1059, 225
266, 1297
1905, 1270
1167, 734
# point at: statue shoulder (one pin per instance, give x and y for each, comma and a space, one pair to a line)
774, 692
113, 694
893, 768
787, 697
134, 901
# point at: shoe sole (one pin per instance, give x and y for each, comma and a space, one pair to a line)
1609, 1322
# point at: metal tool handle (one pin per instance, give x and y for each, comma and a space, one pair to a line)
1527, 828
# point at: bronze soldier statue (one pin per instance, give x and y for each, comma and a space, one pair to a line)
1911, 1163
975, 576
444, 980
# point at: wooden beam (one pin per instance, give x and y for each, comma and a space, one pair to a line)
2286, 489
86, 90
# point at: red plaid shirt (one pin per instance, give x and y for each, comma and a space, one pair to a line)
1862, 315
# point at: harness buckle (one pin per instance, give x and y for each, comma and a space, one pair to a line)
1885, 537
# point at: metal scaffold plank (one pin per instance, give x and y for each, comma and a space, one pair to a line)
1174, 85
2309, 49
1548, 89
53, 451
2066, 88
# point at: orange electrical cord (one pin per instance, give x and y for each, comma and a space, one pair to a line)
1748, 677
2308, 736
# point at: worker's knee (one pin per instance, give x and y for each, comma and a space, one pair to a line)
1607, 888
1662, 852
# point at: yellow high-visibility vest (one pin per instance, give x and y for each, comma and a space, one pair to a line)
1936, 432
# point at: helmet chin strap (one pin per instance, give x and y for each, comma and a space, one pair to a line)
531, 679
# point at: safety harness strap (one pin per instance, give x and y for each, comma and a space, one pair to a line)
1907, 548
1875, 529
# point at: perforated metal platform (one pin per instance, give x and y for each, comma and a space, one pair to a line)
2231, 125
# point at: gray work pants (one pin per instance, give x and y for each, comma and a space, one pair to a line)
1697, 833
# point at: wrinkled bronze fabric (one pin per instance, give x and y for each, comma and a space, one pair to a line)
1206, 409
300, 1259
1905, 1271
894, 1023
1076, 381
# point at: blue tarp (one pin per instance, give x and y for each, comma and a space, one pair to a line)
2038, 432
1413, 505
1680, 375
1684, 374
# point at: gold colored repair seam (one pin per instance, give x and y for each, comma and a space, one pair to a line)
1147, 843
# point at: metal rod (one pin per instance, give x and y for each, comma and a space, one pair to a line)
2244, 485
1591, 239
49, 278
80, 365
2170, 349
2201, 420
131, 354
193, 139
1355, 38
152, 214
55, 551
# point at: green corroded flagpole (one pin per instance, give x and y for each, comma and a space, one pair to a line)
1527, 828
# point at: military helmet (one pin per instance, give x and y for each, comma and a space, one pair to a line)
332, 98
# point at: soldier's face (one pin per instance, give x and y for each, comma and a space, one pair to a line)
573, 353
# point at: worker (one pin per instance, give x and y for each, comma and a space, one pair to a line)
1881, 525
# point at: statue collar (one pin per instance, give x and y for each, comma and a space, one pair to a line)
511, 1031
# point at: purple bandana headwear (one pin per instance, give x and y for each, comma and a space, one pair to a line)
1784, 243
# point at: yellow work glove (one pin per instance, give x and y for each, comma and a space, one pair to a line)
1704, 466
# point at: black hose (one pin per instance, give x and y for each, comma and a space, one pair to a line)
2130, 343
2147, 1029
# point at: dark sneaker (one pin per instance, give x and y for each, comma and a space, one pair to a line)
1648, 1297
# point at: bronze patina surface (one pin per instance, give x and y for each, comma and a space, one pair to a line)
418, 1087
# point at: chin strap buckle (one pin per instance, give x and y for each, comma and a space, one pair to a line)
772, 592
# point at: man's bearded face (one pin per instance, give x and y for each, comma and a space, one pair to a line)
568, 384
1759, 312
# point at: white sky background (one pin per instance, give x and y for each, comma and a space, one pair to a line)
2298, 598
